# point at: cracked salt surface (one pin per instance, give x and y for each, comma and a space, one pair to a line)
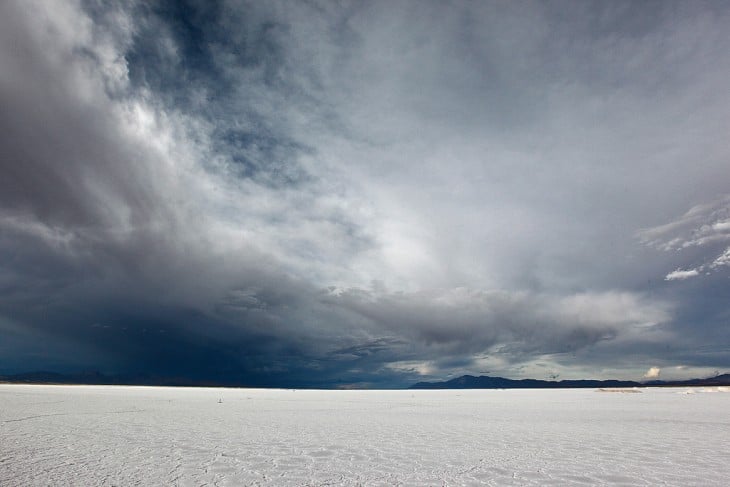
106, 435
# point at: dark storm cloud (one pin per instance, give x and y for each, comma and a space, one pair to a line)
318, 194
223, 64
98, 226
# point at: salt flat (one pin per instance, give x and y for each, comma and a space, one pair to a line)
107, 435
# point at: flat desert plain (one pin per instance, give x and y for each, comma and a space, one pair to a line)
111, 435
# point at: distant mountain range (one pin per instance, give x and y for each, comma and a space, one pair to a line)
486, 382
463, 382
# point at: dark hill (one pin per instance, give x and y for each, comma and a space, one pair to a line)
486, 382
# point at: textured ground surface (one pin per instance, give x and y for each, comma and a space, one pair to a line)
95, 435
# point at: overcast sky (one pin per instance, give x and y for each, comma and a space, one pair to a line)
365, 194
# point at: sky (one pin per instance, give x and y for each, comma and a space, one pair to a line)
365, 194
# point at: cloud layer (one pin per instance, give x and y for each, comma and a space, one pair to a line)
364, 194
705, 227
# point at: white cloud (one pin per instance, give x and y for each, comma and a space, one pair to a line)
700, 225
703, 228
722, 260
652, 373
680, 275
